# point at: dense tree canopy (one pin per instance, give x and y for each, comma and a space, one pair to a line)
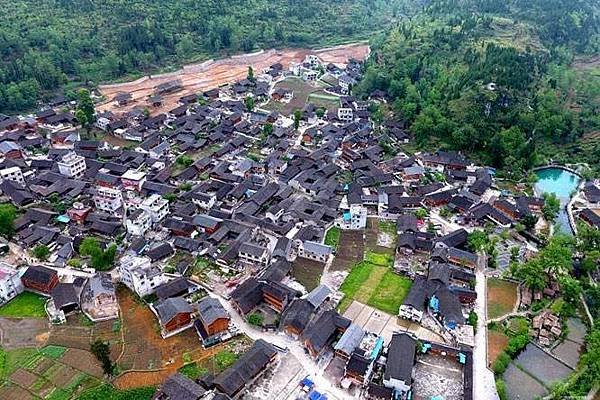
46, 43
493, 78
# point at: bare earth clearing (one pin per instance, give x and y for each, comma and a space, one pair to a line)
211, 74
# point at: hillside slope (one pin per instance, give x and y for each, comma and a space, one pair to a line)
495, 79
47, 43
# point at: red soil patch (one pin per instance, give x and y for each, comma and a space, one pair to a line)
497, 342
14, 392
211, 74
23, 378
150, 356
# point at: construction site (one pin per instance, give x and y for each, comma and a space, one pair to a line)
197, 78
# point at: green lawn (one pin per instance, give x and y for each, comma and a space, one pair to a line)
375, 284
332, 237
26, 304
385, 260
390, 292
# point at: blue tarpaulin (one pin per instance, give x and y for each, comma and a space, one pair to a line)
307, 382
462, 358
425, 347
347, 216
434, 303
314, 395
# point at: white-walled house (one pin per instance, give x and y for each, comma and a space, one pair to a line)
10, 282
138, 274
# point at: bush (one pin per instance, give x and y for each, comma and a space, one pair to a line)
101, 350
255, 319
501, 389
41, 252
472, 320
501, 363
516, 344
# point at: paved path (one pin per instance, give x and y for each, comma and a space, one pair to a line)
484, 386
294, 347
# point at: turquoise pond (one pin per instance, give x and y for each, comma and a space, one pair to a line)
562, 183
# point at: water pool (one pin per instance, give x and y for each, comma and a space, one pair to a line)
562, 183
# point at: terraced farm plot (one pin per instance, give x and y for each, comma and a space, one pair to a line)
501, 297
46, 373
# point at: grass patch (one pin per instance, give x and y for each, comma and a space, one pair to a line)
25, 305
501, 297
518, 326
375, 285
59, 394
332, 237
193, 370
390, 292
225, 359
54, 352
75, 382
388, 227
354, 281
385, 260
109, 392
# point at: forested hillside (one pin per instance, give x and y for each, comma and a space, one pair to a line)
512, 83
45, 44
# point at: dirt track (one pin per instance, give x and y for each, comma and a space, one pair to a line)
211, 74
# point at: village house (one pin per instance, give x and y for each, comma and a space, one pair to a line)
40, 279
400, 359
108, 199
179, 387
314, 251
138, 274
10, 282
212, 319
72, 165
99, 299
250, 365
174, 315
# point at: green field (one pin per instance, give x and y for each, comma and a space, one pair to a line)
332, 237
390, 292
25, 305
374, 283
324, 100
108, 392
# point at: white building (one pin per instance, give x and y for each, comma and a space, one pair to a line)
138, 223
203, 200
138, 274
10, 282
355, 218
133, 180
345, 114
72, 165
314, 251
12, 174
156, 206
108, 199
